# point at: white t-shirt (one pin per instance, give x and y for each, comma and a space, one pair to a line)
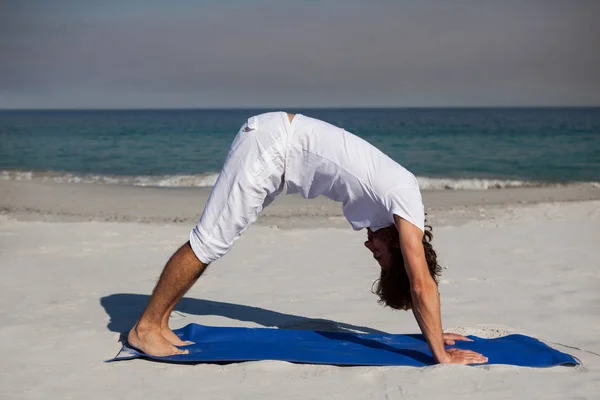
323, 159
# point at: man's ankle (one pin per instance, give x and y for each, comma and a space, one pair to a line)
144, 327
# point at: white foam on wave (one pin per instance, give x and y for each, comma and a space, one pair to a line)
472, 184
209, 179
200, 180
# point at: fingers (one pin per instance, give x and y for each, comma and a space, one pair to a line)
449, 342
475, 358
466, 357
461, 337
456, 336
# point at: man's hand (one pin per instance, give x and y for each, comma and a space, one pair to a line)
458, 356
451, 338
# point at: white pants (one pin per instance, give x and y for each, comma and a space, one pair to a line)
253, 175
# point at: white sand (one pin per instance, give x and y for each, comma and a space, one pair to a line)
68, 288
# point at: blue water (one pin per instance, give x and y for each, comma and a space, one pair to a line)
533, 145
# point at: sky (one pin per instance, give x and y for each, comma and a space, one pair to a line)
336, 53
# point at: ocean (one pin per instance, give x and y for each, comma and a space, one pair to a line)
445, 148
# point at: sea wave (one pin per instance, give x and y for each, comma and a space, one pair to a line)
209, 179
474, 184
200, 180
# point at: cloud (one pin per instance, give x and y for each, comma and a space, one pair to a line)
309, 53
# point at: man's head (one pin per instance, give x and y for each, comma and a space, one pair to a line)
393, 285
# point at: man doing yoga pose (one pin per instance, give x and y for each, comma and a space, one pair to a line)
311, 157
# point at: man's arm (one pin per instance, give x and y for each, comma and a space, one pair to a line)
425, 297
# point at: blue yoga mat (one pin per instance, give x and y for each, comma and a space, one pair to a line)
224, 344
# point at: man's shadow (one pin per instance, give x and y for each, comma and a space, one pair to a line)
124, 310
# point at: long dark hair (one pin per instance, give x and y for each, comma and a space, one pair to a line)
393, 285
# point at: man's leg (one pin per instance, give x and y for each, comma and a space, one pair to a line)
251, 178
180, 273
164, 326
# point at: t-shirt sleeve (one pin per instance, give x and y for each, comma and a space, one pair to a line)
407, 204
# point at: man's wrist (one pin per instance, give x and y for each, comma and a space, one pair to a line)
443, 358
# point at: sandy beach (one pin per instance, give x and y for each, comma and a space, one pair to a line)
78, 262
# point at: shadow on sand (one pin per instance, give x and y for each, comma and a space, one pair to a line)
124, 310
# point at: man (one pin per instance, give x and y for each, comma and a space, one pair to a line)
312, 158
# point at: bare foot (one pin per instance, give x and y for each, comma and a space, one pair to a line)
152, 342
173, 338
